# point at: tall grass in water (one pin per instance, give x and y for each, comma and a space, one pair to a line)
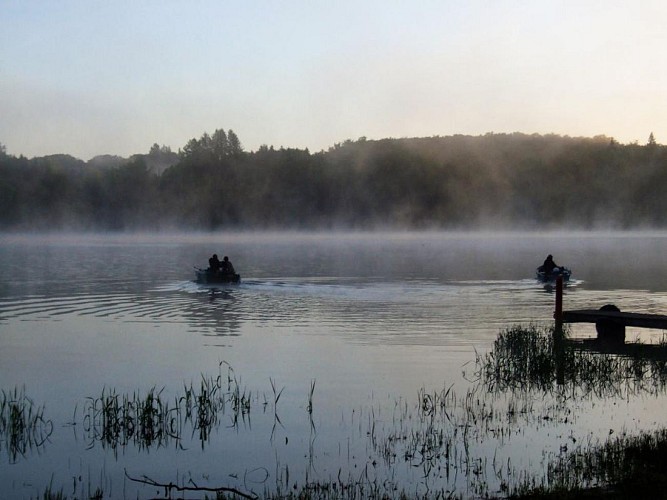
441, 444
23, 427
117, 420
533, 359
621, 467
521, 358
311, 393
149, 420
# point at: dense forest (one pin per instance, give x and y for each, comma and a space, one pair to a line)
456, 182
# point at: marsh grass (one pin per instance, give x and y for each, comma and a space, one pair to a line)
441, 444
532, 359
116, 420
51, 494
521, 358
149, 420
531, 378
23, 426
622, 467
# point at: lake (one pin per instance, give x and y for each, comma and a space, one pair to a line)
320, 367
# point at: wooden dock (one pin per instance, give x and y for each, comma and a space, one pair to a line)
608, 322
639, 320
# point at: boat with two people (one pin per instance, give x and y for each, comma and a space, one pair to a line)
217, 272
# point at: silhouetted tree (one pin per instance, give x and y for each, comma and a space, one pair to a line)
220, 144
235, 147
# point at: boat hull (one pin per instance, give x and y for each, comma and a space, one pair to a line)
543, 277
206, 277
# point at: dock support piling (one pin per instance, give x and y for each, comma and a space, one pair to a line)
558, 313
559, 344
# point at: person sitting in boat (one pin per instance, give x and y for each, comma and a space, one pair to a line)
226, 266
549, 265
214, 264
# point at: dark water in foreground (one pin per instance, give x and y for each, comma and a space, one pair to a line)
350, 330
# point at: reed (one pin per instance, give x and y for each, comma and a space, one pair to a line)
311, 392
53, 495
276, 398
621, 467
116, 420
239, 398
528, 359
23, 426
276, 395
447, 443
148, 420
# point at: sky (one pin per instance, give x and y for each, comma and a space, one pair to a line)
89, 77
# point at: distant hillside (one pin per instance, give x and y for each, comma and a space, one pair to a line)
107, 161
453, 182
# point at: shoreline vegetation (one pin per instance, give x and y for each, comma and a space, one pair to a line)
498, 181
530, 378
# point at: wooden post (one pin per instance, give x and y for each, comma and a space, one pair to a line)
559, 344
558, 313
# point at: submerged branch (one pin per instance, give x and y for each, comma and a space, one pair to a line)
169, 487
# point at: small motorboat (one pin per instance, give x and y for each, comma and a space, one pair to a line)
208, 276
551, 277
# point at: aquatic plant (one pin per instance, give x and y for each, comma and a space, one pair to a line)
149, 420
23, 426
621, 467
239, 398
276, 395
50, 494
537, 359
116, 420
53, 495
443, 443
521, 358
311, 393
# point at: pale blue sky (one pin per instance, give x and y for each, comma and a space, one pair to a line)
113, 77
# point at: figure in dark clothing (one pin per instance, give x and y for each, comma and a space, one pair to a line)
549, 264
214, 263
226, 266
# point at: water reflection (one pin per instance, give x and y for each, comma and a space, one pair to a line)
208, 311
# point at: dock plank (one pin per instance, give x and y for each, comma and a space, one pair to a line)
640, 320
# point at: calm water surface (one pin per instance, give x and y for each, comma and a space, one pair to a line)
351, 327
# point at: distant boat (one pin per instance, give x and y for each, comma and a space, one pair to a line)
207, 276
545, 277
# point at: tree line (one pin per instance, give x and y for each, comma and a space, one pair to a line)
492, 181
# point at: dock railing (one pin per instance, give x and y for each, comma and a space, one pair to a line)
608, 318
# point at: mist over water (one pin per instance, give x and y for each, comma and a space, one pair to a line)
371, 317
